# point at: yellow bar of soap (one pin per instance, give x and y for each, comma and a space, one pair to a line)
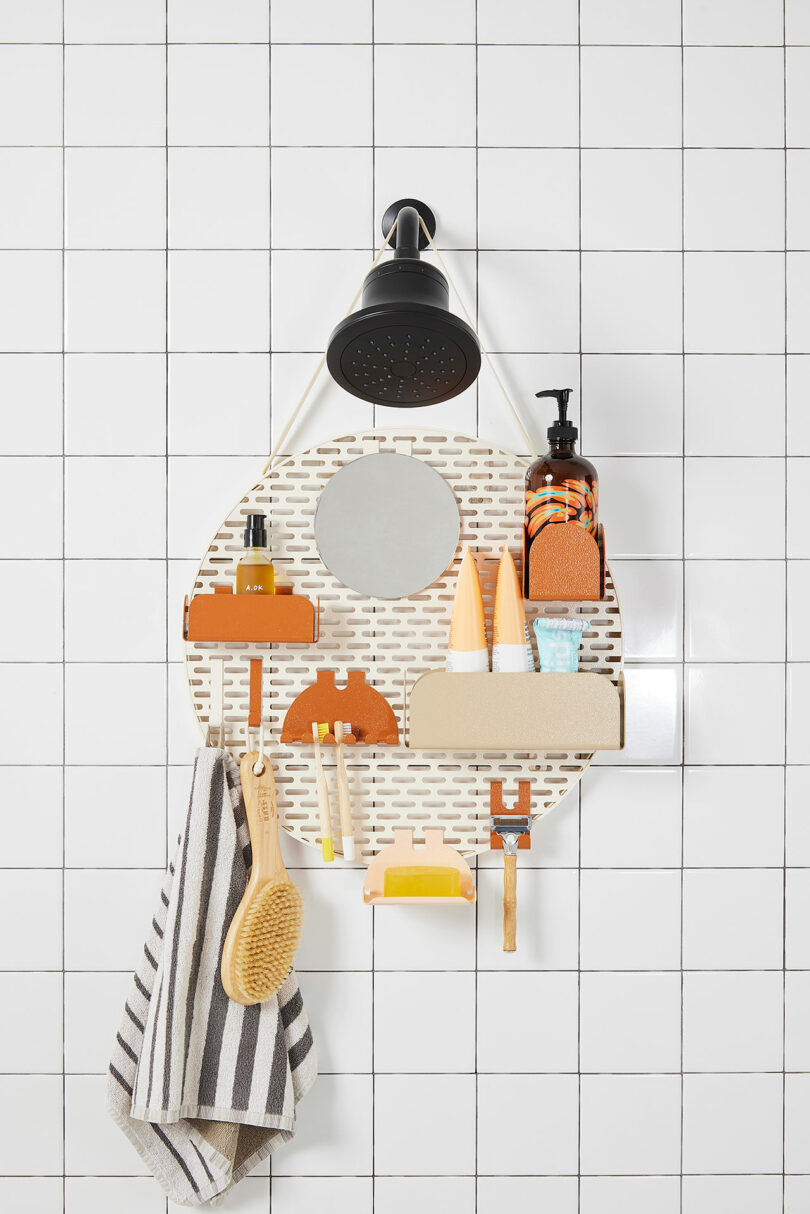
422, 881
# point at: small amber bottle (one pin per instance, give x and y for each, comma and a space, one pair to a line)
562, 486
255, 573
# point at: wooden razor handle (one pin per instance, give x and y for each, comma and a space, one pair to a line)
509, 903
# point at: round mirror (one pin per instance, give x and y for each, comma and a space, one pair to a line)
387, 525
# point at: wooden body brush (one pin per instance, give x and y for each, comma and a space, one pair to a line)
264, 933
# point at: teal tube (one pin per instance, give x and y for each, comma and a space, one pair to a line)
558, 642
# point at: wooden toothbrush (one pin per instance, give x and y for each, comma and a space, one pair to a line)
327, 845
344, 802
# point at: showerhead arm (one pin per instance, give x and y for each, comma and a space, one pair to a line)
410, 236
408, 233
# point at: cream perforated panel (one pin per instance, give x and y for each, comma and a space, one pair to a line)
392, 641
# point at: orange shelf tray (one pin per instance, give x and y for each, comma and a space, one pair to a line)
225, 616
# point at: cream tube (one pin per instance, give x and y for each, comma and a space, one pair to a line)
509, 632
467, 647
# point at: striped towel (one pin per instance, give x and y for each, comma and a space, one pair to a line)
206, 1088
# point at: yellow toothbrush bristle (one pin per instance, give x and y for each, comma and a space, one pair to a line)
328, 849
323, 730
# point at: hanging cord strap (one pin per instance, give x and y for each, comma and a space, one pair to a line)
322, 361
518, 422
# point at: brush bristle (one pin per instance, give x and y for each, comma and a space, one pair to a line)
323, 730
268, 938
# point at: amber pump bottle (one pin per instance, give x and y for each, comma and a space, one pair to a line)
561, 486
255, 573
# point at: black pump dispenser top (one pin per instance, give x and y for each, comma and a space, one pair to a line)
562, 431
255, 535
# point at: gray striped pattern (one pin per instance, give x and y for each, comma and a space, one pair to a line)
204, 1087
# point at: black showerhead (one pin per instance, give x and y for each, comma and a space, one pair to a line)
404, 347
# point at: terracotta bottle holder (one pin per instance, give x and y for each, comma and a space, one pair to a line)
523, 711
566, 564
402, 854
523, 807
225, 616
370, 715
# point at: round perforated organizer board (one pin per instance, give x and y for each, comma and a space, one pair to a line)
393, 642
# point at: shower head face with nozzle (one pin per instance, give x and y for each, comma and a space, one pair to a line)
404, 347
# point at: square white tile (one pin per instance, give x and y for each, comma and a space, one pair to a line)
716, 630
219, 301
104, 393
32, 1194
344, 1194
630, 1124
732, 1021
798, 199
430, 1194
630, 1195
732, 1123
798, 303
339, 1008
524, 1194
115, 302
631, 96
532, 300
94, 1145
756, 23
733, 816
798, 712
413, 938
184, 733
732, 919
321, 21
797, 1110
135, 732
227, 479
632, 404
797, 908
219, 198
329, 409
797, 60
424, 1125
631, 198
798, 475
512, 21
205, 21
743, 1194
630, 920
631, 21
26, 486
734, 199
640, 506
115, 95
720, 107
219, 404
114, 940
631, 818
31, 214
734, 404
424, 1023
527, 1124
114, 21
651, 594
30, 301
529, 92
797, 1193
218, 95
441, 112
30, 94
31, 591
735, 713
115, 198
522, 374
453, 22
337, 931
40, 787
630, 1022
32, 1138
797, 816
101, 806
545, 1003
115, 610
631, 303
137, 527
37, 22
31, 385
32, 692
35, 943
734, 303
797, 22
446, 176
298, 114
546, 920
538, 188
301, 177
310, 294
94, 1009
653, 709
797, 1009
32, 1023
706, 530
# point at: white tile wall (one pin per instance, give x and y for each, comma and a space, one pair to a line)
185, 211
